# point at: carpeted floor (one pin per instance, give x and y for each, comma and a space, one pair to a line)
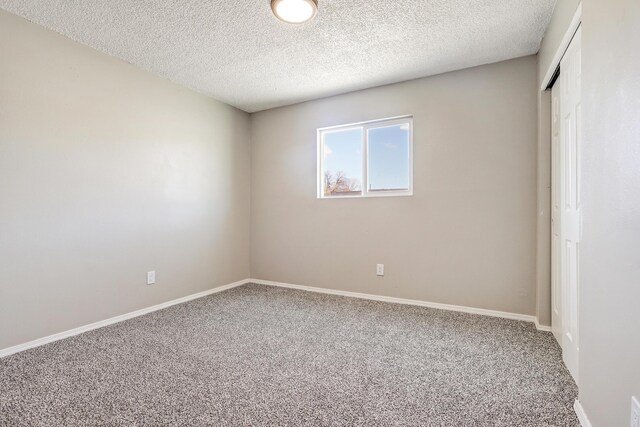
258, 355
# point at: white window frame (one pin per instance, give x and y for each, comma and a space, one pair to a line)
366, 126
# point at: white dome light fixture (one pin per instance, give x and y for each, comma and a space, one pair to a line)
294, 11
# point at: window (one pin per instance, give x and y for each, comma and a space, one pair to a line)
366, 159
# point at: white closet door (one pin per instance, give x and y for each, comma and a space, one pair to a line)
570, 143
556, 224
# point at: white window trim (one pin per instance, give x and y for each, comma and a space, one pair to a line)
365, 126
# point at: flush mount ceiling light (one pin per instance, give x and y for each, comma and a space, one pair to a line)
294, 11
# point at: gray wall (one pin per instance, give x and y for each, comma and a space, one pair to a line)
106, 172
467, 236
560, 21
610, 248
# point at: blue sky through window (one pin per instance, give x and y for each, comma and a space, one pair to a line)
387, 164
389, 158
343, 153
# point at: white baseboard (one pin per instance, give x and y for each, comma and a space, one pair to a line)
460, 308
542, 327
582, 416
76, 331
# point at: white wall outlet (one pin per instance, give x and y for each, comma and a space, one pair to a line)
635, 412
380, 269
151, 277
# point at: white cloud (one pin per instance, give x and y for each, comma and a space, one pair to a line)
327, 151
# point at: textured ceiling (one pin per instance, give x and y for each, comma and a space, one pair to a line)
239, 53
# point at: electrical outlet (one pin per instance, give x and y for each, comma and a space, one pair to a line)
635, 412
380, 269
151, 277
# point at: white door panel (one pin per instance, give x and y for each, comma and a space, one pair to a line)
569, 212
556, 241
